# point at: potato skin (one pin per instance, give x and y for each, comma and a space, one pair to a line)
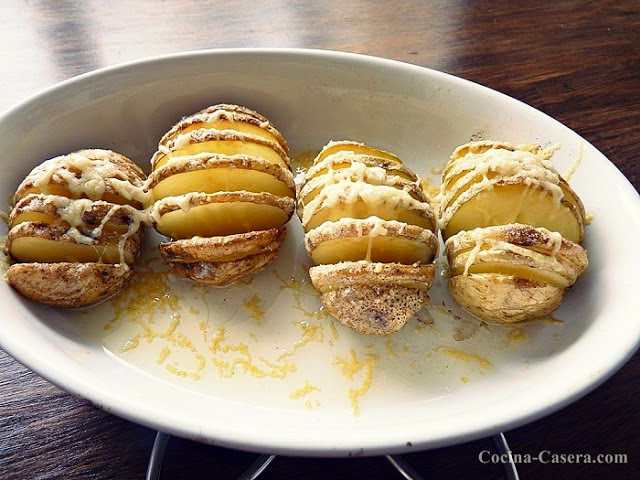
216, 249
222, 274
504, 299
372, 298
68, 285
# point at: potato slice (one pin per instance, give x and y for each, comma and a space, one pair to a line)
68, 284
519, 244
222, 274
355, 147
227, 117
358, 171
360, 200
347, 159
223, 213
372, 298
370, 239
506, 203
217, 173
39, 242
476, 148
94, 174
494, 183
223, 249
531, 268
84, 213
500, 298
223, 143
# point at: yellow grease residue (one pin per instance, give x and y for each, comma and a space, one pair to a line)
390, 347
149, 295
430, 190
298, 290
352, 367
229, 358
517, 335
310, 333
254, 305
465, 356
588, 218
334, 331
311, 404
163, 354
303, 160
464, 379
303, 391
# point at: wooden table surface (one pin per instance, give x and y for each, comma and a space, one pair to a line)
577, 61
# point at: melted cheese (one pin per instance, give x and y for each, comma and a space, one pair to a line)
466, 357
346, 192
84, 176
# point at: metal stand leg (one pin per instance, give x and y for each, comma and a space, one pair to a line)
154, 470
510, 470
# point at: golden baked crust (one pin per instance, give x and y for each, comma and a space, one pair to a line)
392, 167
68, 285
497, 298
360, 171
372, 298
233, 113
209, 135
222, 274
511, 273
111, 167
92, 216
223, 248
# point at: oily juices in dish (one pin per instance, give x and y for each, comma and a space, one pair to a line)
222, 191
370, 229
75, 228
512, 226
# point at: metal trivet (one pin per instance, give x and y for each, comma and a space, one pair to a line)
261, 462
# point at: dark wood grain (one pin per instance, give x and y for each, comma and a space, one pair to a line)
577, 61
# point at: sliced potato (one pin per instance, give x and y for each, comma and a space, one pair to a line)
216, 173
223, 143
223, 213
515, 203
518, 244
223, 273
68, 284
94, 174
358, 171
355, 147
89, 215
39, 242
502, 298
494, 183
370, 239
223, 249
338, 162
353, 200
221, 117
531, 268
372, 298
